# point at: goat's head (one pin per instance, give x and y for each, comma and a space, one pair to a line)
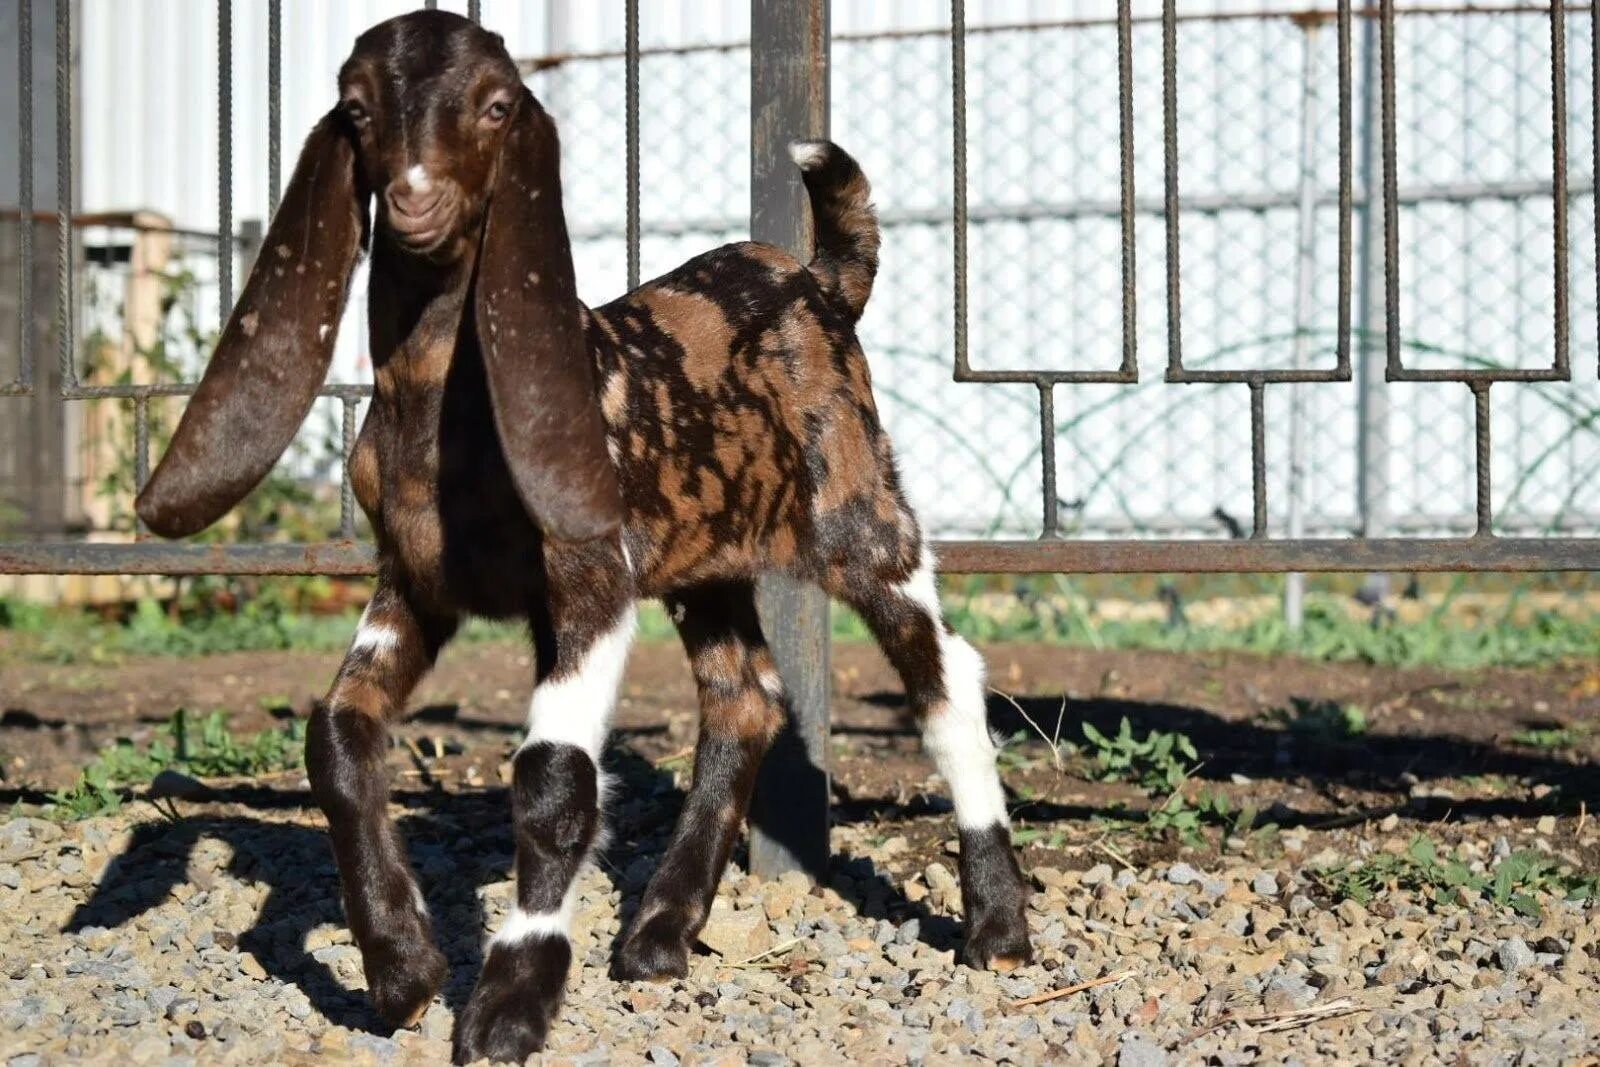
428, 99
434, 123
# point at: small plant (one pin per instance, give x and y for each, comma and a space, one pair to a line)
1549, 739
1153, 762
1323, 721
205, 748
1441, 878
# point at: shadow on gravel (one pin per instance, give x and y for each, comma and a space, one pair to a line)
296, 866
457, 842
1376, 762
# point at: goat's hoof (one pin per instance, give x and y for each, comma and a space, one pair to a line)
997, 941
515, 1001
652, 952
402, 977
997, 901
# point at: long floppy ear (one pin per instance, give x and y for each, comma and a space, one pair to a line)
275, 349
541, 376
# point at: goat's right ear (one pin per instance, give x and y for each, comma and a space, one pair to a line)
275, 349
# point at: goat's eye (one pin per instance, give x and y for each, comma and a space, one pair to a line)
498, 111
356, 111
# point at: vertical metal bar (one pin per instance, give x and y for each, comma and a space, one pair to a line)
1258, 457
958, 179
347, 492
789, 100
1391, 200
274, 103
1558, 190
475, 10
1294, 585
141, 450
631, 112
1372, 399
1169, 135
1130, 281
1480, 406
1047, 457
430, 5
1346, 139
64, 298
25, 192
225, 157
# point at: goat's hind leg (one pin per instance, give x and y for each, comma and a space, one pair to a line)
556, 791
740, 713
944, 680
345, 746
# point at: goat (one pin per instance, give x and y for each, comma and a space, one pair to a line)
525, 456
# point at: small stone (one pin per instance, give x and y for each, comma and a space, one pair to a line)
1514, 954
1100, 872
736, 935
1181, 874
1546, 824
195, 1030
1265, 884
1139, 1051
663, 1056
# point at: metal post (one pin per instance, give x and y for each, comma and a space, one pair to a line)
1294, 585
1372, 401
789, 100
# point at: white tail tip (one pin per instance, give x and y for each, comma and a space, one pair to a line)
808, 155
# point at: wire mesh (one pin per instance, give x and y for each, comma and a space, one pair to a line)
1089, 318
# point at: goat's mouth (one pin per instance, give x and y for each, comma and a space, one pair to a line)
422, 235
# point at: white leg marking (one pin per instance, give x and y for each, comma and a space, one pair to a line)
520, 925
376, 636
956, 731
417, 178
575, 709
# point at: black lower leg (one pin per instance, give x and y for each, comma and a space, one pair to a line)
555, 810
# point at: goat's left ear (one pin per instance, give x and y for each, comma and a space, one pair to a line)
530, 328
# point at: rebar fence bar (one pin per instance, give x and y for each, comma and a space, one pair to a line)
1363, 388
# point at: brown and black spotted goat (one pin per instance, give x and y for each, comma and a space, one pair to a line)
528, 457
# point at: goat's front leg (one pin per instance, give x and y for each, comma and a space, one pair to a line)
740, 713
583, 638
345, 746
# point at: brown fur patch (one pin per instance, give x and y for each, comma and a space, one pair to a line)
697, 323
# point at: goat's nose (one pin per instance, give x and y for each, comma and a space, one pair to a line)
414, 195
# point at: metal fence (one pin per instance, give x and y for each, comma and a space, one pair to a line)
1265, 325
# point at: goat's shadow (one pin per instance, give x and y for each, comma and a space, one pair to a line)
459, 841
456, 842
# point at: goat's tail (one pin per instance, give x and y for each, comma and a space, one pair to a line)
846, 226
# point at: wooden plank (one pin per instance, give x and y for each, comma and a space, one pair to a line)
788, 101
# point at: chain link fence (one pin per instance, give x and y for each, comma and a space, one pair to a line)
1258, 120
1474, 109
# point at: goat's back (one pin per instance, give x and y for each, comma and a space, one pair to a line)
739, 414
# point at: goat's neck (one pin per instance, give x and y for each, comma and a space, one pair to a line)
415, 314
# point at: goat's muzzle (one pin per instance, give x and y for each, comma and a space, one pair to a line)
420, 219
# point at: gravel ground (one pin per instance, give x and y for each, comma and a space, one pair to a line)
208, 929
217, 938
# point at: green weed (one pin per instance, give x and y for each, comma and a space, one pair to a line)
203, 747
1441, 878
1553, 739
1154, 762
1323, 721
